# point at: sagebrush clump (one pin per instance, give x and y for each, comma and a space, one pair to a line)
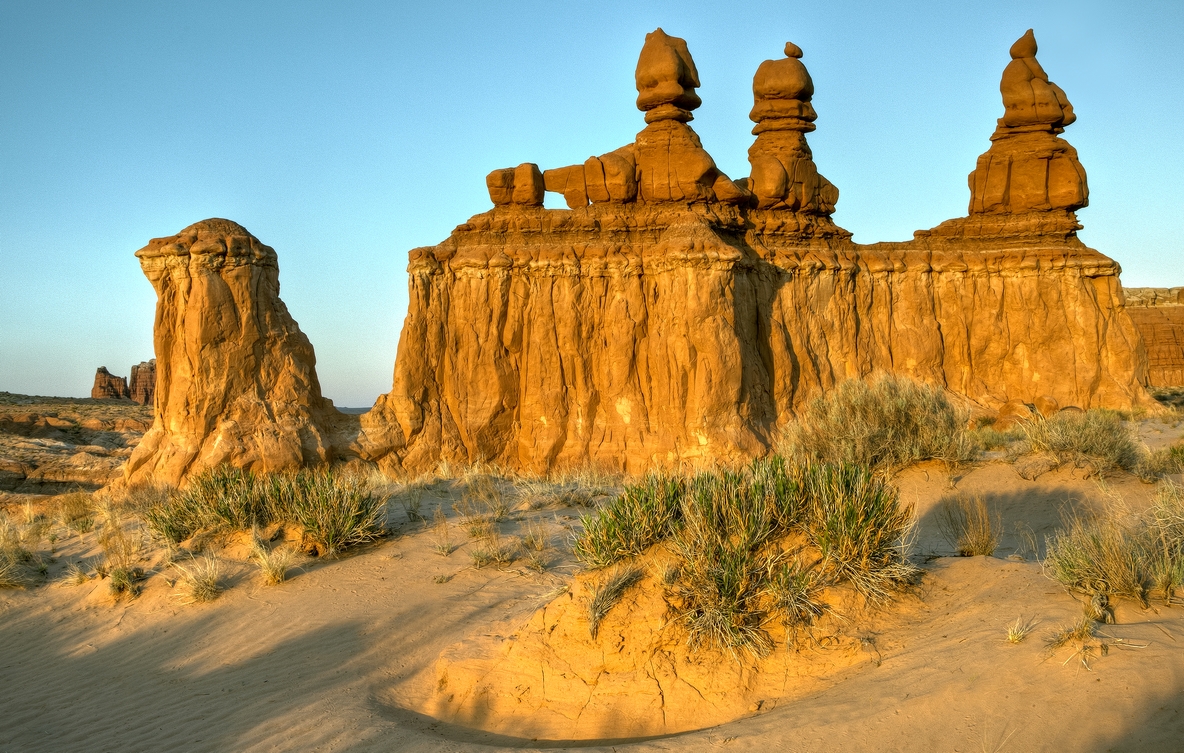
1096, 439
884, 425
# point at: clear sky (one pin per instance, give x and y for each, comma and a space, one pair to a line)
344, 134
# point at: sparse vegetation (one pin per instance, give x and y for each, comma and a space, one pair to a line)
1162, 462
1097, 555
796, 592
200, 580
76, 512
442, 533
334, 511
884, 425
1019, 630
968, 526
1096, 439
493, 550
644, 514
273, 563
607, 593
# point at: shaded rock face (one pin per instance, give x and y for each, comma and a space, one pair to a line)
108, 386
673, 314
142, 383
1158, 314
235, 377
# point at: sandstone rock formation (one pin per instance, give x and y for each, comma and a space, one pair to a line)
237, 380
142, 383
1158, 314
672, 314
108, 386
1027, 167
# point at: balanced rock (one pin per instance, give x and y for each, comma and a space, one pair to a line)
108, 386
236, 378
1158, 314
142, 383
1028, 168
784, 175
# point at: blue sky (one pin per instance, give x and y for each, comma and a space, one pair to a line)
344, 134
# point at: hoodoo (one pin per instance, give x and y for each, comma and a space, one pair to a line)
672, 314
235, 378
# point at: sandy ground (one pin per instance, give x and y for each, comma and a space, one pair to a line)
322, 662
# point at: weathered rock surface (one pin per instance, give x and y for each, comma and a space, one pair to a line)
142, 382
50, 445
1158, 314
678, 321
1028, 168
108, 386
236, 378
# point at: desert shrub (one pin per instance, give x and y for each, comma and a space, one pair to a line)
887, 424
334, 511
491, 549
1097, 439
858, 524
122, 550
76, 512
1098, 555
721, 584
796, 593
1161, 462
1166, 535
201, 579
607, 593
273, 563
644, 514
990, 438
967, 525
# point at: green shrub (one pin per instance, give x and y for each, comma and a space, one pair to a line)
858, 524
334, 511
886, 425
1097, 438
796, 592
221, 499
644, 514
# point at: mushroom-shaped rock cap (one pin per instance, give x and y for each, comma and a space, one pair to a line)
783, 88
1029, 98
666, 74
213, 236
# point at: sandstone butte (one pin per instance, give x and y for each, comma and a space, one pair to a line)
671, 313
140, 387
108, 386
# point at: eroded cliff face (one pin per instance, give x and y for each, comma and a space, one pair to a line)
673, 314
235, 377
1158, 315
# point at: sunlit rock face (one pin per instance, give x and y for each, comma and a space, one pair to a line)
1158, 314
235, 377
674, 314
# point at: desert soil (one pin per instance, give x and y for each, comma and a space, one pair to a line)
343, 655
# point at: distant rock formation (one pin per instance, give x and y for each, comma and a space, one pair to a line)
236, 379
108, 386
1158, 314
142, 383
672, 314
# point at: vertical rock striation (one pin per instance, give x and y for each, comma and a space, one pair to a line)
142, 383
236, 378
674, 314
1158, 314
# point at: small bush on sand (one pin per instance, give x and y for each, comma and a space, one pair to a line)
1166, 535
722, 576
218, 500
858, 524
200, 580
1096, 439
1162, 462
886, 425
273, 563
441, 532
1019, 630
334, 511
76, 512
644, 514
122, 550
493, 550
1098, 556
968, 526
607, 593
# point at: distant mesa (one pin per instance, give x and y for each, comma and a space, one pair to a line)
108, 386
1158, 314
670, 314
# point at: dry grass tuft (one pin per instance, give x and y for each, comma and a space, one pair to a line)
886, 425
796, 592
273, 563
441, 531
1098, 556
201, 580
968, 526
1019, 630
1097, 439
492, 550
608, 593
